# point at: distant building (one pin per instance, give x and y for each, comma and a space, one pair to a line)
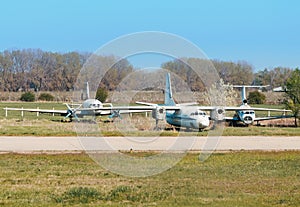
278, 89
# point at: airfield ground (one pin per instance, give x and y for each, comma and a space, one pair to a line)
234, 178
47, 125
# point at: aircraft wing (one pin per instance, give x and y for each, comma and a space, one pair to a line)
230, 118
152, 106
258, 118
271, 117
46, 111
93, 111
268, 109
115, 109
212, 108
128, 109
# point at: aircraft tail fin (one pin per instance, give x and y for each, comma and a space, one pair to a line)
243, 91
87, 91
169, 101
244, 98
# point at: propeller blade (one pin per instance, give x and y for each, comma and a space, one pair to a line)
115, 113
76, 117
68, 106
68, 115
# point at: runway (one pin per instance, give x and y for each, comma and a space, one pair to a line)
71, 144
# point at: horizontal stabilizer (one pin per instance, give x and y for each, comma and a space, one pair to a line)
187, 104
146, 103
248, 86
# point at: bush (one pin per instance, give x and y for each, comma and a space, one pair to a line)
46, 97
77, 195
256, 98
28, 96
101, 94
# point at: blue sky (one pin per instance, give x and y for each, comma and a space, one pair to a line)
264, 33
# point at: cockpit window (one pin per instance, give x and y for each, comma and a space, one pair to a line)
247, 112
198, 113
94, 105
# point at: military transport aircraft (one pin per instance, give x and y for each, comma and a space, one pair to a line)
179, 115
187, 115
243, 113
90, 107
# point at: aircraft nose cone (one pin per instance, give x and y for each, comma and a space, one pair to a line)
248, 119
204, 123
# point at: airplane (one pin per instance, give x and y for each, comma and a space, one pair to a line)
186, 115
89, 107
243, 113
189, 116
178, 115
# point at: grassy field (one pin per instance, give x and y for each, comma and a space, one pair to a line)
225, 179
31, 105
44, 127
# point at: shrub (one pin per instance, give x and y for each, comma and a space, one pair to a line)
101, 94
78, 195
28, 96
46, 97
256, 98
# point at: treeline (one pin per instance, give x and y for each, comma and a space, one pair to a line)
235, 73
34, 69
21, 70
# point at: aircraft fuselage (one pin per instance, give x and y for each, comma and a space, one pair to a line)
196, 120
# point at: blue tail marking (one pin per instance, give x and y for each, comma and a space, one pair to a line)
169, 101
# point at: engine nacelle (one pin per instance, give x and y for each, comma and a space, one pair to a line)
159, 113
218, 114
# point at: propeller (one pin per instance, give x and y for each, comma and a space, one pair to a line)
71, 112
115, 114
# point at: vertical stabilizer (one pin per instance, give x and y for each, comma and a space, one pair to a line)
243, 95
87, 91
243, 92
169, 101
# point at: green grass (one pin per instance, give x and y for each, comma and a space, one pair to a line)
45, 127
225, 179
261, 131
31, 105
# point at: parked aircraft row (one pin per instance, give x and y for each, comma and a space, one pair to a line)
187, 115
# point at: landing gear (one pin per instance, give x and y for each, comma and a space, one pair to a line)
257, 123
156, 128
